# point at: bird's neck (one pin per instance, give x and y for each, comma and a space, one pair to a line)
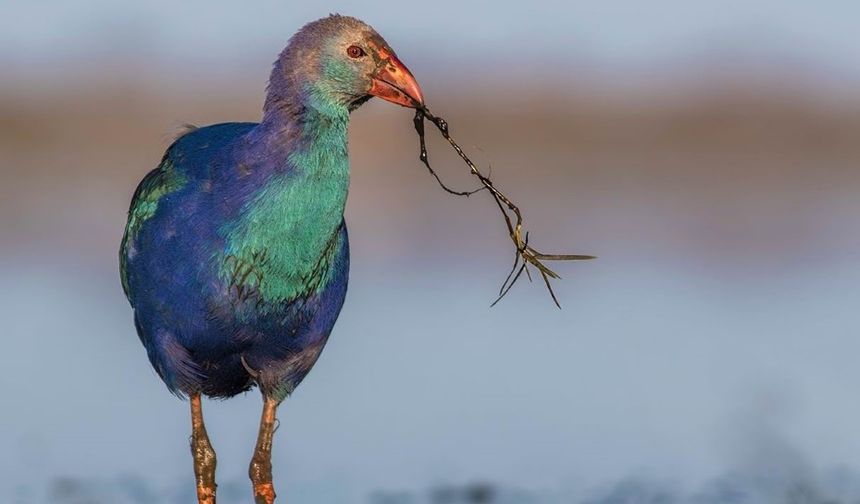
296, 212
303, 117
309, 129
297, 99
311, 133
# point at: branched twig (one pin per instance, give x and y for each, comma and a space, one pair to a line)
511, 213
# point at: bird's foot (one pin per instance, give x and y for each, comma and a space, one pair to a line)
205, 495
264, 493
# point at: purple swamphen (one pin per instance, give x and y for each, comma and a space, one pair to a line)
235, 257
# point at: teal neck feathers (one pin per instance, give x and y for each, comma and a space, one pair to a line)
281, 246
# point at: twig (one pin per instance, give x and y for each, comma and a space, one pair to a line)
511, 213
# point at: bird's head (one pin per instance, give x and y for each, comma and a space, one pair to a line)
340, 61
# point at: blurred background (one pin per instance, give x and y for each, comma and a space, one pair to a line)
708, 152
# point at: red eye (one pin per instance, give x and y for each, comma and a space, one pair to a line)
355, 51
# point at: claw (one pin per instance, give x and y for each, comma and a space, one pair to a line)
251, 371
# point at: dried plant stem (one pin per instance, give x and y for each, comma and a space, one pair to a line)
526, 255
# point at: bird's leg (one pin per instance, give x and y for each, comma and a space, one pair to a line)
260, 470
204, 455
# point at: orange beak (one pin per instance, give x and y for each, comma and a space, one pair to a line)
394, 82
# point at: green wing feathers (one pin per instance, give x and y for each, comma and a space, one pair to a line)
155, 185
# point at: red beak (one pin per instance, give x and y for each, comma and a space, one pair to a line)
394, 82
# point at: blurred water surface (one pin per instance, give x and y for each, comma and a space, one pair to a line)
707, 357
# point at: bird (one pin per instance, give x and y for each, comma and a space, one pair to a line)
235, 253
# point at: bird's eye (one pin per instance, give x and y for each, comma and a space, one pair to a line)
355, 51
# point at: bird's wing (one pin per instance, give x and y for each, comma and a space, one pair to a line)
158, 183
